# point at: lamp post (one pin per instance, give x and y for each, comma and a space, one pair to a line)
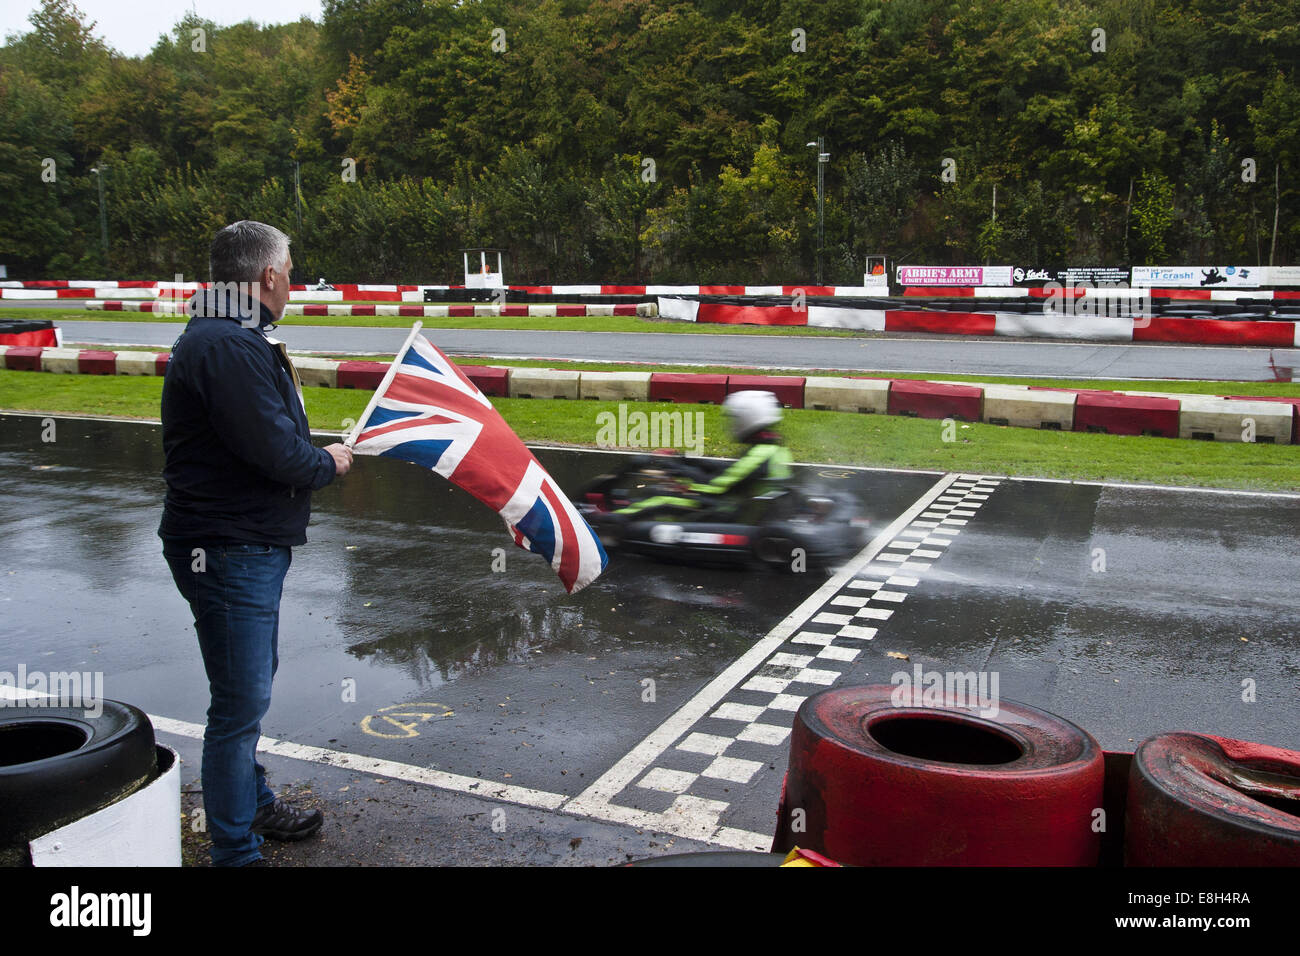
103, 219
823, 158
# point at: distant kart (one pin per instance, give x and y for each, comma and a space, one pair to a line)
786, 528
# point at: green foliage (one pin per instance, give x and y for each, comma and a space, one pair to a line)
525, 126
1153, 215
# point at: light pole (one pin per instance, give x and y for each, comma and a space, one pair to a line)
823, 158
103, 219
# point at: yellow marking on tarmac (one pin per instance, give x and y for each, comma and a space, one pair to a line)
390, 715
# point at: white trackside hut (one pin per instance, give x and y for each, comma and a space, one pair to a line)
479, 272
877, 273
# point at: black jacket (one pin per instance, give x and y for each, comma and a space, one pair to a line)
240, 465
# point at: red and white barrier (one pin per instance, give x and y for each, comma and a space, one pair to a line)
1057, 326
1078, 324
163, 306
1232, 418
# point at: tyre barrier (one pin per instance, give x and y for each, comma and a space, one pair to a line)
863, 320
1257, 419
952, 323
875, 784
25, 332
1215, 331
1209, 323
60, 764
1200, 800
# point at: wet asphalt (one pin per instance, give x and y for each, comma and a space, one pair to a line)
929, 354
1129, 611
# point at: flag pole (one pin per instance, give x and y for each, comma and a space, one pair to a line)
351, 438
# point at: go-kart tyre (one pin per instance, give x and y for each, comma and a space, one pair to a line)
57, 765
874, 784
777, 551
1189, 805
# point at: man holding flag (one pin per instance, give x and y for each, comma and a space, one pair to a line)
240, 469
427, 412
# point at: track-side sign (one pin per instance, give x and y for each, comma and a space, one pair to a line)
955, 275
1199, 277
1079, 275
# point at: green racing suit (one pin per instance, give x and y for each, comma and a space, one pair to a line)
764, 465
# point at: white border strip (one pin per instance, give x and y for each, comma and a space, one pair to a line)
475, 786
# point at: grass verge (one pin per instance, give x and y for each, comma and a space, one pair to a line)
820, 437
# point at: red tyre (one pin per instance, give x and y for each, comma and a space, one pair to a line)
1197, 800
875, 784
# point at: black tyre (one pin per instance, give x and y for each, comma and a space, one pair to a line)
777, 550
57, 765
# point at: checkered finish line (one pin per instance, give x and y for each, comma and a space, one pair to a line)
683, 779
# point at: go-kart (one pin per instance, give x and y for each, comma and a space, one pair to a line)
787, 527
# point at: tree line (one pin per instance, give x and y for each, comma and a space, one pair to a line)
658, 141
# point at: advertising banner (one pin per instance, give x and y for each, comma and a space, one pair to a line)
1080, 275
954, 275
1198, 277
1280, 275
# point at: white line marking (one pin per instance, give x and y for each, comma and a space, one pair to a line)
475, 786
634, 763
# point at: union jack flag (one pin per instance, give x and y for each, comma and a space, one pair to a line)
427, 412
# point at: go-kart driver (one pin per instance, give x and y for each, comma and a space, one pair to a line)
724, 488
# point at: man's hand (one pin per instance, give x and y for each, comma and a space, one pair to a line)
342, 456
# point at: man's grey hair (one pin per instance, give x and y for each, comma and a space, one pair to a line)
243, 250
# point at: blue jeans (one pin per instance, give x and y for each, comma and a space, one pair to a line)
234, 592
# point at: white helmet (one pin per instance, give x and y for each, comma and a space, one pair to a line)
750, 412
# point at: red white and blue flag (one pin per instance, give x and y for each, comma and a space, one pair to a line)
427, 412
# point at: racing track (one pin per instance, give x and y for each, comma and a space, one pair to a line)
1128, 610
928, 355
